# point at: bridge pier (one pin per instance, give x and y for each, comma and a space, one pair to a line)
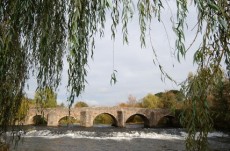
28, 120
152, 120
85, 119
52, 119
120, 119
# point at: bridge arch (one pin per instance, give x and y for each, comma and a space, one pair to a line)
114, 121
166, 121
39, 119
144, 118
66, 120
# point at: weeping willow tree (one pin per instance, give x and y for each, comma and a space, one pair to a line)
35, 36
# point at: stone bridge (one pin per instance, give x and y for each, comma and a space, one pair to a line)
86, 115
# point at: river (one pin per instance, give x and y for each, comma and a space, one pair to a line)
103, 138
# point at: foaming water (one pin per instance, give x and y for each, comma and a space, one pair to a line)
103, 135
111, 133
218, 134
112, 139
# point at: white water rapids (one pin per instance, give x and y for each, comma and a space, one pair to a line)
164, 135
111, 139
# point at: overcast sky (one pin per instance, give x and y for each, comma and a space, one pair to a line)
136, 73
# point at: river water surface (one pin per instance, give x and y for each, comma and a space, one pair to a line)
111, 139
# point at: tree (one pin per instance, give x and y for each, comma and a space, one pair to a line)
151, 101
123, 105
132, 101
62, 105
34, 36
198, 98
45, 98
81, 104
169, 100
172, 99
23, 109
219, 102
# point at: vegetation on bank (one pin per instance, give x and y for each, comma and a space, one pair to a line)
218, 101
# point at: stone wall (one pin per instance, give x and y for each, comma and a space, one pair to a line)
87, 115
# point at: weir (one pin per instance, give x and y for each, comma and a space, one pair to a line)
86, 115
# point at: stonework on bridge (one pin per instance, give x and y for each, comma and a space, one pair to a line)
86, 115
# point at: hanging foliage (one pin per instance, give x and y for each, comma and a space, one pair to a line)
35, 35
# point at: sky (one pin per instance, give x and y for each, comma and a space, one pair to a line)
136, 73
